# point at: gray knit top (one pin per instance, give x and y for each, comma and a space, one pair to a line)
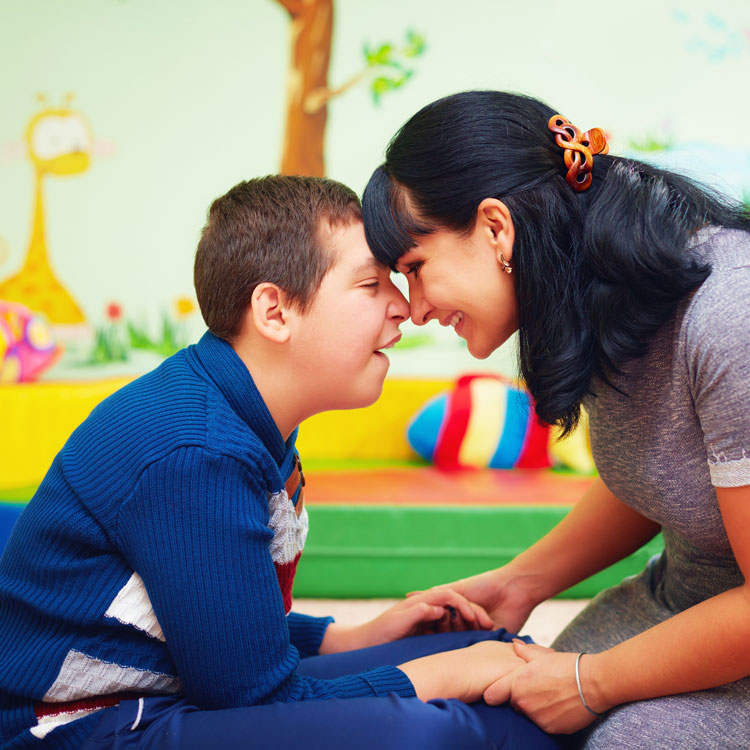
684, 427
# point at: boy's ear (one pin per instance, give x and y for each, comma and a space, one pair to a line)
269, 312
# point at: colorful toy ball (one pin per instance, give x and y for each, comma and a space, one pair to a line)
485, 421
27, 346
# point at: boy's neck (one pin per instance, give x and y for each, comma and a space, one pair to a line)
276, 388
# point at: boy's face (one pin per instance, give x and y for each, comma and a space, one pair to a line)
355, 313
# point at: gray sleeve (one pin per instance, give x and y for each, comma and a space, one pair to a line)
718, 360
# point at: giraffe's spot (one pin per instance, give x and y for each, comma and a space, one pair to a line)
30, 290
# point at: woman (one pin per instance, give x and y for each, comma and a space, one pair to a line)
629, 288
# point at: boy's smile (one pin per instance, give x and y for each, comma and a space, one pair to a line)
353, 317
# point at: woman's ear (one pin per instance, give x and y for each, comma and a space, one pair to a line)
269, 312
494, 219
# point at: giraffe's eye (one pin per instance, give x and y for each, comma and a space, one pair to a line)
56, 135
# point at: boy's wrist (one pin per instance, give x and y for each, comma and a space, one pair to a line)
426, 678
338, 638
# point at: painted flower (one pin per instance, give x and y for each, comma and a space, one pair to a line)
114, 311
184, 306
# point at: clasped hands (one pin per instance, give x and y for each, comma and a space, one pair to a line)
537, 681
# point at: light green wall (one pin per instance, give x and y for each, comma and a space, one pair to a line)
190, 94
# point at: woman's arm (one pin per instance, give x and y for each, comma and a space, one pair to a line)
702, 647
598, 531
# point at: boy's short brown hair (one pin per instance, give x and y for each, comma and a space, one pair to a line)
267, 229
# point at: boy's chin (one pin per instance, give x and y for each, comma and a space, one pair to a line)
361, 398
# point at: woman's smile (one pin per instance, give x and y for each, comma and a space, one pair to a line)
456, 279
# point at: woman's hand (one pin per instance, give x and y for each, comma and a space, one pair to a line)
505, 599
545, 689
434, 611
464, 673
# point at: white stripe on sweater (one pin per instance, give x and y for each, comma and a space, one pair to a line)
132, 606
83, 676
46, 724
289, 531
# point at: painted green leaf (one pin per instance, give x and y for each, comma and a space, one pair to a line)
415, 44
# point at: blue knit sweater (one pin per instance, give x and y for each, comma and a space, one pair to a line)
148, 561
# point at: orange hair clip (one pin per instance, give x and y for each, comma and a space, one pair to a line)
579, 150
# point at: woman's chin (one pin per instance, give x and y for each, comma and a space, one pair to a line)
481, 348
479, 351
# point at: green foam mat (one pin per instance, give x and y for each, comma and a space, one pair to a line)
386, 551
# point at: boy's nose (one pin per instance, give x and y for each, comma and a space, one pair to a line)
400, 309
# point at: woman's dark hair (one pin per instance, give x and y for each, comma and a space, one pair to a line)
596, 272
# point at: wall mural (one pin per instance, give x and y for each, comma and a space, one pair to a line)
58, 141
386, 67
39, 308
33, 301
222, 116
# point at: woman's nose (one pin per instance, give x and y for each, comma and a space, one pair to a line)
420, 310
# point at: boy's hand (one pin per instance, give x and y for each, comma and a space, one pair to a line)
464, 673
434, 611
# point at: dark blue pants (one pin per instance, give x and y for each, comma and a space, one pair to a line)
170, 723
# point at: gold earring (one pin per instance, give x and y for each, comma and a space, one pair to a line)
506, 266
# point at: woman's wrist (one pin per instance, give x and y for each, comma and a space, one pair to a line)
594, 687
524, 588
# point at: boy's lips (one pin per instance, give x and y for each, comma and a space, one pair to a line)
390, 344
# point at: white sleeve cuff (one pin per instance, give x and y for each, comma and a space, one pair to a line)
730, 473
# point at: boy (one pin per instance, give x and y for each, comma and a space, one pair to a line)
145, 590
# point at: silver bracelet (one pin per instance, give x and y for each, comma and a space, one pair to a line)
580, 691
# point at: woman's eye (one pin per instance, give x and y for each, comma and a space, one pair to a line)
414, 270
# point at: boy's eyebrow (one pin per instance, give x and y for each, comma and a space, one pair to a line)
373, 264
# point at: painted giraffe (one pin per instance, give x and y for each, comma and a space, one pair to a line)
59, 142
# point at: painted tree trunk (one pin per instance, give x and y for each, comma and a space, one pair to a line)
304, 135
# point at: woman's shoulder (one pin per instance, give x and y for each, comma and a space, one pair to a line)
716, 314
723, 247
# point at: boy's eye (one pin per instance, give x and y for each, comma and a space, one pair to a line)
371, 285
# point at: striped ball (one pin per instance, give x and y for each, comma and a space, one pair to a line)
485, 421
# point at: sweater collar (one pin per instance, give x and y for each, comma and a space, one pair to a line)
228, 372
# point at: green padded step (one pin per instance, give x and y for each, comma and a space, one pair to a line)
385, 551
369, 551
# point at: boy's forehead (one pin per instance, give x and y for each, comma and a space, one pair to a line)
350, 251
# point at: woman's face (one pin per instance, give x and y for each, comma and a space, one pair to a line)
459, 281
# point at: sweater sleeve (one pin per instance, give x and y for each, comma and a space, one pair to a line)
196, 532
306, 632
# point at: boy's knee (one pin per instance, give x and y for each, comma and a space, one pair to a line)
450, 724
